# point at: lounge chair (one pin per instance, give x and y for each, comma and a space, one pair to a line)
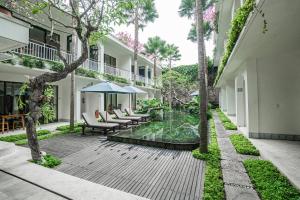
120, 115
132, 114
107, 118
94, 124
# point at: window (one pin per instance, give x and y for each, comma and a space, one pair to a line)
94, 52
69, 43
149, 73
112, 100
110, 61
142, 71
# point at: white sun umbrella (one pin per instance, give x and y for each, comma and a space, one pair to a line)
133, 90
106, 88
196, 93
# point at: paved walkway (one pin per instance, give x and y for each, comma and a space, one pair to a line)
285, 155
12, 188
148, 172
237, 183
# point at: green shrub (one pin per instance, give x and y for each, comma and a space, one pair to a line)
213, 183
115, 78
66, 128
15, 138
269, 182
86, 72
225, 120
243, 145
12, 61
139, 83
32, 62
56, 66
49, 161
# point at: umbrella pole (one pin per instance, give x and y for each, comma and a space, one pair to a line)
106, 106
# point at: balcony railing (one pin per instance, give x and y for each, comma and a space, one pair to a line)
49, 53
46, 52
117, 72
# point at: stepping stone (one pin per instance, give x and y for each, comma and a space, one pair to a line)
232, 165
240, 193
236, 177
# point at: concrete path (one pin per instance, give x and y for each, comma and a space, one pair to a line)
12, 188
285, 155
237, 183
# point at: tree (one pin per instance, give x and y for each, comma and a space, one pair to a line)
155, 47
196, 8
171, 53
143, 12
186, 9
93, 20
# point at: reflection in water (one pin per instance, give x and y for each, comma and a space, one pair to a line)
177, 127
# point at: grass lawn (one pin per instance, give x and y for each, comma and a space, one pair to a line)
242, 145
269, 182
225, 120
213, 183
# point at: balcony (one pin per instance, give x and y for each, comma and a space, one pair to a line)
47, 52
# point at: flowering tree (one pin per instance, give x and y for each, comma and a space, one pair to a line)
127, 39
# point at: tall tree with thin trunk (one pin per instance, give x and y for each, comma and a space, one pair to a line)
155, 47
171, 53
144, 11
196, 8
94, 19
203, 125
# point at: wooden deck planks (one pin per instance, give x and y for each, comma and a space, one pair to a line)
149, 172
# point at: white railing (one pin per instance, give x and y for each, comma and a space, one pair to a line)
91, 64
42, 51
117, 72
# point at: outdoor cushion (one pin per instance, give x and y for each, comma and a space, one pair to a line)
131, 113
110, 119
91, 121
120, 115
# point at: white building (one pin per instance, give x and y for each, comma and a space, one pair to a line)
260, 84
110, 59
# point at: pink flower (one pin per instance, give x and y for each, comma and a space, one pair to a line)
209, 14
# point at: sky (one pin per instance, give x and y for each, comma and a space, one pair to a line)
172, 28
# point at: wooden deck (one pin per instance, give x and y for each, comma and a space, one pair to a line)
145, 171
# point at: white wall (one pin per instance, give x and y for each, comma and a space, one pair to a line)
230, 96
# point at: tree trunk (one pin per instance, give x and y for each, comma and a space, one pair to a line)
136, 43
154, 71
203, 125
35, 98
170, 93
72, 103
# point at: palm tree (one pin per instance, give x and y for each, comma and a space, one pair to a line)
144, 11
155, 47
195, 8
171, 53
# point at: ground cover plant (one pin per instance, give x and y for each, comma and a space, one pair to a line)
15, 138
242, 145
226, 121
269, 182
48, 161
213, 183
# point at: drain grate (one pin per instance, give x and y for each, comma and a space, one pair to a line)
238, 185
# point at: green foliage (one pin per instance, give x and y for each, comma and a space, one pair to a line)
47, 108
56, 66
189, 71
155, 46
66, 128
86, 72
115, 78
242, 145
269, 182
171, 53
192, 36
225, 120
139, 83
15, 138
151, 106
32, 62
237, 24
49, 161
213, 183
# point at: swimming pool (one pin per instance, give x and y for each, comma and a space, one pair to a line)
177, 130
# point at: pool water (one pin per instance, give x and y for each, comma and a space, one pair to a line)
176, 127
